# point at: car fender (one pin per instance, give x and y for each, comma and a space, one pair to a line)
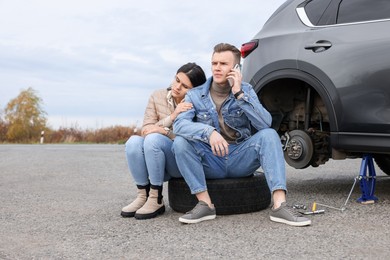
309, 74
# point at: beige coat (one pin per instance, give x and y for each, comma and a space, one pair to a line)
159, 109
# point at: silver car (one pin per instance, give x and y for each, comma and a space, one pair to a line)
322, 69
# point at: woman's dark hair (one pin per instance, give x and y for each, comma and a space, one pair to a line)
194, 72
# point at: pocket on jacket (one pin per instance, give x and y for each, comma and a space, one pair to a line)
237, 118
204, 117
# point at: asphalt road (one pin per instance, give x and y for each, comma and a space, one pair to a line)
64, 201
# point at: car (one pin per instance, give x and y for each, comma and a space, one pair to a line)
322, 69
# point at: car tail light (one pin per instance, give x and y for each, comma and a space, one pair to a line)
248, 47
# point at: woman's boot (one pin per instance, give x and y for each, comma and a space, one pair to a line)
153, 206
142, 196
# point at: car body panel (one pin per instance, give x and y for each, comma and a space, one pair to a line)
348, 65
360, 70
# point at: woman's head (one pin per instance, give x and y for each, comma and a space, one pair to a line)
188, 76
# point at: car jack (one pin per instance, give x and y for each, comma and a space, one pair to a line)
367, 178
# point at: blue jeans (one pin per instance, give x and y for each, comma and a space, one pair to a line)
197, 162
150, 159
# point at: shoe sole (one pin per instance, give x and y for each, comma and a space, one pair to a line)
193, 221
127, 214
291, 223
150, 215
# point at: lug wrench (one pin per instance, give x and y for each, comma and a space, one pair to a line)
343, 207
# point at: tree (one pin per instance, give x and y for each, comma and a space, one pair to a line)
25, 117
3, 128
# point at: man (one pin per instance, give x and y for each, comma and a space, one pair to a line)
227, 134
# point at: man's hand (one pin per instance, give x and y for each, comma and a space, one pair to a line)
236, 76
218, 144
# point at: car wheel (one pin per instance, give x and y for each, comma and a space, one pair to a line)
230, 196
383, 162
299, 149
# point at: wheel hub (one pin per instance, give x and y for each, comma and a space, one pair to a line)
294, 149
299, 149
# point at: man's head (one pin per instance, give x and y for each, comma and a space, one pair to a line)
225, 56
222, 47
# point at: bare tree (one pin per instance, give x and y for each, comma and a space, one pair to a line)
25, 117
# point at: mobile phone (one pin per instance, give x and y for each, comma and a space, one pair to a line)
230, 80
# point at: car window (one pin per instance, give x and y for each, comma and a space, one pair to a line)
315, 10
363, 10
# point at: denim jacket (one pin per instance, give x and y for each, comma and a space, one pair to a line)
245, 115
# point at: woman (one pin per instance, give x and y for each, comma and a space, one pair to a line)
149, 157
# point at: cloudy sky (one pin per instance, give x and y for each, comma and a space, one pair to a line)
95, 63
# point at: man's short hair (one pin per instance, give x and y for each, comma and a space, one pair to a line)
221, 47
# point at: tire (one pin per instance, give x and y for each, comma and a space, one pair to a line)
383, 161
230, 196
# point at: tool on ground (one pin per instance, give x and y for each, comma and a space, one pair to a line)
320, 211
313, 210
344, 206
299, 206
367, 179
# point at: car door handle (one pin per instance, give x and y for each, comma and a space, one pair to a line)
319, 46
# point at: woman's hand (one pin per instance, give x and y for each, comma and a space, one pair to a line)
153, 129
181, 107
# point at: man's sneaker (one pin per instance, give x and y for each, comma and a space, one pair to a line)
287, 215
201, 212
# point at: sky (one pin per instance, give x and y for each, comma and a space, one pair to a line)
95, 63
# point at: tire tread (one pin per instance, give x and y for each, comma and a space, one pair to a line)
230, 196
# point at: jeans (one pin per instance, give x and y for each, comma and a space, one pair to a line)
150, 159
197, 162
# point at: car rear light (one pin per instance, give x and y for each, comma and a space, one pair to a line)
248, 47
